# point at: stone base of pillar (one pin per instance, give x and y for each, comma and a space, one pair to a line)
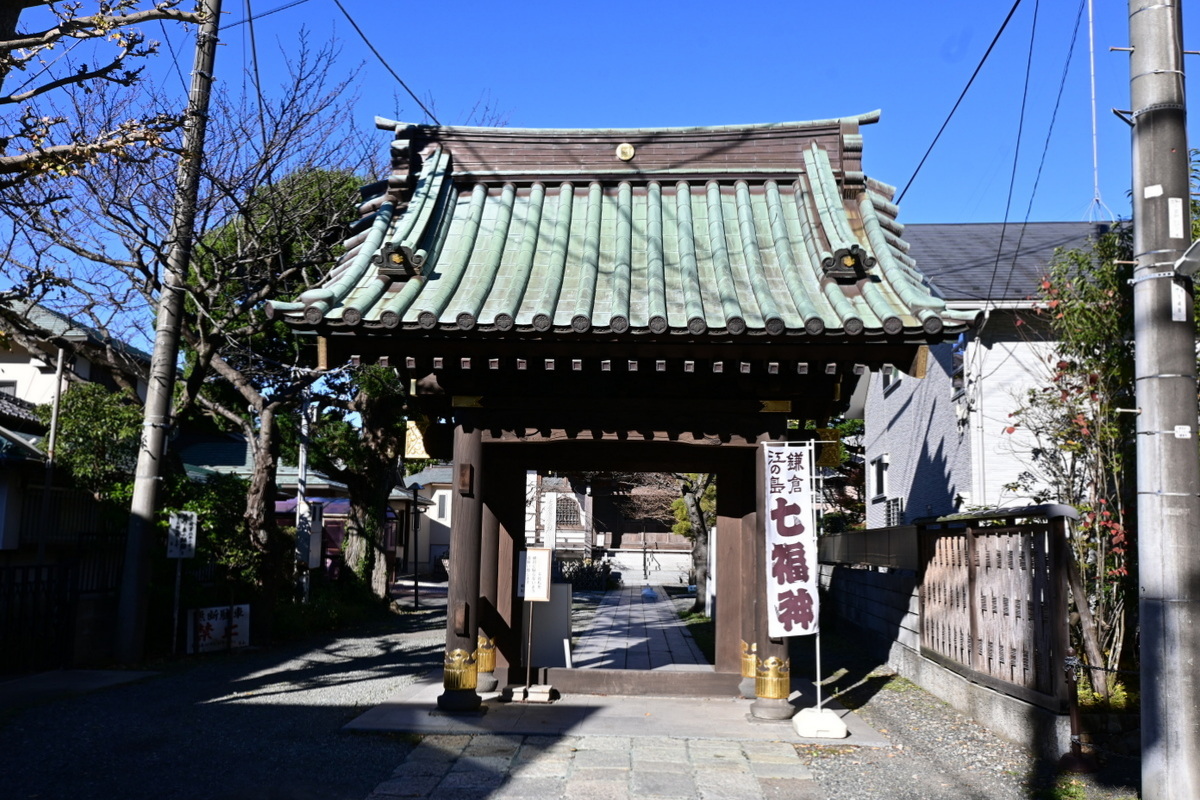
459, 700
764, 708
746, 687
486, 682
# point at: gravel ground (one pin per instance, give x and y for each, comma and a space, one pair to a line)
263, 724
936, 753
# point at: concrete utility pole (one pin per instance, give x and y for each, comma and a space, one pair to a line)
135, 578
1168, 463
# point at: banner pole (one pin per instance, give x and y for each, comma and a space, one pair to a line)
818, 637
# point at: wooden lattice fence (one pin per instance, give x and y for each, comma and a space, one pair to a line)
993, 605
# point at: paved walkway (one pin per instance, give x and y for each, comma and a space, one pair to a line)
604, 747
598, 768
637, 628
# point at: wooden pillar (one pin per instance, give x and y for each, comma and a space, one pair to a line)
773, 681
735, 500
489, 549
747, 526
510, 510
460, 678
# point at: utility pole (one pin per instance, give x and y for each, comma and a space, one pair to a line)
1168, 463
135, 578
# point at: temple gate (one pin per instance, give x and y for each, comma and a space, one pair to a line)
640, 300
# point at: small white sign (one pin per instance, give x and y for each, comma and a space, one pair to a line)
537, 574
1183, 432
215, 629
1179, 302
1175, 217
181, 535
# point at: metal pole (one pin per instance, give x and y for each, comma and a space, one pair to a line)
304, 527
135, 578
1168, 469
416, 553
48, 480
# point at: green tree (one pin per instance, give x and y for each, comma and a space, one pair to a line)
695, 514
1081, 452
358, 440
843, 475
98, 436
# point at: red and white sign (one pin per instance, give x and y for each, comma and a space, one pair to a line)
791, 538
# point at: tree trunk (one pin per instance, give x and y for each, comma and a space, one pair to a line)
260, 521
691, 501
1087, 629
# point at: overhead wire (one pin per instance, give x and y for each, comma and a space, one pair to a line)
1037, 178
957, 102
275, 10
1097, 204
388, 66
1041, 164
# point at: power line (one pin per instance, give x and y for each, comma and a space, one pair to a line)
957, 102
249, 18
1012, 178
387, 66
1062, 83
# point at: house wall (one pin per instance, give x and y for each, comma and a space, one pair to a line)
435, 525
1011, 360
949, 450
914, 423
34, 378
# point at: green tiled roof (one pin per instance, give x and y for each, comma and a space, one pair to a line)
732, 230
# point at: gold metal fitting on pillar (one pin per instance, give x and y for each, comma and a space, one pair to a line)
460, 671
749, 660
774, 679
485, 656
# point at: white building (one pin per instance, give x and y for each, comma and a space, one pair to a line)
939, 444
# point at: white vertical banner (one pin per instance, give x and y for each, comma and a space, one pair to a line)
791, 538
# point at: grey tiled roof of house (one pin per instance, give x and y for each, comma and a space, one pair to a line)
18, 413
430, 475
62, 325
960, 259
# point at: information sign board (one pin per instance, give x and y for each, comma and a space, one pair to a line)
181, 535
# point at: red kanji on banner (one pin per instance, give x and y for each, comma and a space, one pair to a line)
780, 513
795, 608
789, 563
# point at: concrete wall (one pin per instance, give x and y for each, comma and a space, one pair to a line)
883, 605
666, 567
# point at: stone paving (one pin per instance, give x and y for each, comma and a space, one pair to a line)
598, 768
636, 627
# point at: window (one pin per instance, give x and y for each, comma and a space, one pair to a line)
894, 512
958, 366
441, 505
879, 468
566, 512
890, 377
9, 388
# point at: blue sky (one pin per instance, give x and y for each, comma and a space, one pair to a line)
622, 64
648, 64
